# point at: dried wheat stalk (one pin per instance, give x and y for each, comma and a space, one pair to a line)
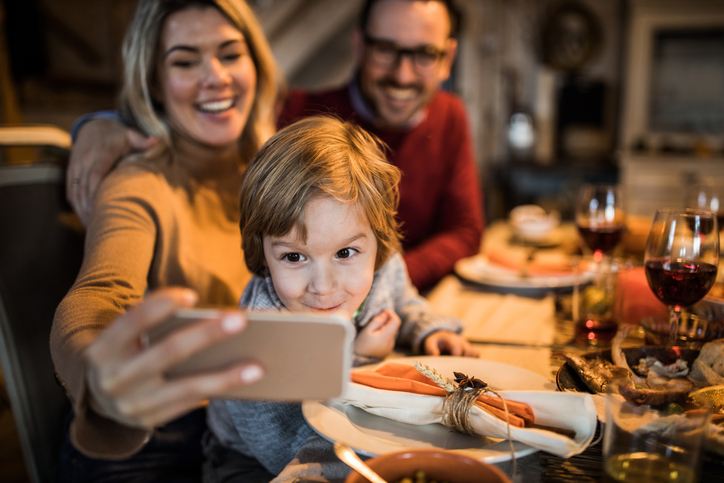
435, 376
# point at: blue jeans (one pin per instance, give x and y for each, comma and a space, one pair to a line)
173, 454
226, 465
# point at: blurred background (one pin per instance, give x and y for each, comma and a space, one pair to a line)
559, 92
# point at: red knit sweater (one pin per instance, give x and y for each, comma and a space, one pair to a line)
441, 208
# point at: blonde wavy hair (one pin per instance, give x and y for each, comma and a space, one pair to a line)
313, 157
140, 55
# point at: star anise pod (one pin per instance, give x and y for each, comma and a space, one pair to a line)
469, 382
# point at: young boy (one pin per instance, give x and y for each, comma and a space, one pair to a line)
318, 230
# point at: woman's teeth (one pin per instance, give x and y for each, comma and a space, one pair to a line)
216, 107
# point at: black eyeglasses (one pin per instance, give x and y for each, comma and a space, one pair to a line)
386, 54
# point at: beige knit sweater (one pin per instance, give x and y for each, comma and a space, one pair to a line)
155, 224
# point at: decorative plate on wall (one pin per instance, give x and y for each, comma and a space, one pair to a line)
571, 37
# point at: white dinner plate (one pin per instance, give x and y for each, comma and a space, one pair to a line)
373, 435
478, 269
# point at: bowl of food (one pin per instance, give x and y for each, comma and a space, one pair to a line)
694, 330
427, 465
531, 223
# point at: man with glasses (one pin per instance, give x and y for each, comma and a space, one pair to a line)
403, 51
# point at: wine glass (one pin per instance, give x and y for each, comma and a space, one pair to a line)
601, 218
706, 196
682, 254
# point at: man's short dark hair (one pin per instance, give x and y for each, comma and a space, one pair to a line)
452, 13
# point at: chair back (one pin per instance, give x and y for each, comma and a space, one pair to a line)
41, 248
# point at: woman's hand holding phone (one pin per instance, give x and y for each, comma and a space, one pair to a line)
127, 378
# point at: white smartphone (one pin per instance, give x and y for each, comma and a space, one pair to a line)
305, 356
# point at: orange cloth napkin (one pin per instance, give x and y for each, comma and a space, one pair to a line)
394, 376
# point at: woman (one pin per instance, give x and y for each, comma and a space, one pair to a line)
199, 76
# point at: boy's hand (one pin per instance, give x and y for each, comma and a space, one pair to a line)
449, 343
377, 338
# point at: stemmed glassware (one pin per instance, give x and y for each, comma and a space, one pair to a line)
706, 196
682, 254
601, 218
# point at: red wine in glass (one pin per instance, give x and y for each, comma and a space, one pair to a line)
682, 255
680, 283
601, 238
594, 332
600, 217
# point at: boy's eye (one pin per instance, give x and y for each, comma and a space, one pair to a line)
292, 257
346, 252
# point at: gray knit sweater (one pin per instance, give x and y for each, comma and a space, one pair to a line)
273, 432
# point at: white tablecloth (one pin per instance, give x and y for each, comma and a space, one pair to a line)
516, 329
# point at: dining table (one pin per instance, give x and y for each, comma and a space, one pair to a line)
528, 326
525, 324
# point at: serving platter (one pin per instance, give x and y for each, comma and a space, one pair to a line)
567, 378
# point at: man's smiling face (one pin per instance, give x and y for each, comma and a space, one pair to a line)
398, 92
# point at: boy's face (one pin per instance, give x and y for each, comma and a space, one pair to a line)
333, 270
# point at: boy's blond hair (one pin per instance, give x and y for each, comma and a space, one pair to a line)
313, 157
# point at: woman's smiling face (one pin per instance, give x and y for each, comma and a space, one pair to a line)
333, 270
206, 76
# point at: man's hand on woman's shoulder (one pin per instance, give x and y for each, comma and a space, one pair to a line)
99, 145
